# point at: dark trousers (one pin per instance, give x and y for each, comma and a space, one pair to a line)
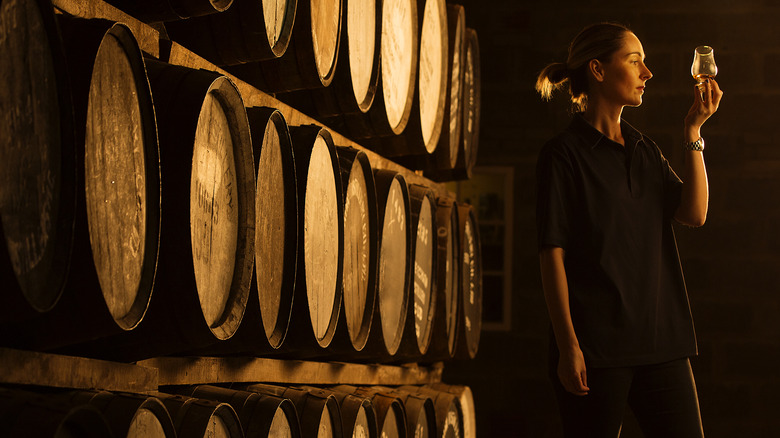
663, 398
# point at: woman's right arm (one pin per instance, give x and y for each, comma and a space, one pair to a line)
571, 364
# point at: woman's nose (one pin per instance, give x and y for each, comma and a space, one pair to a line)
646, 74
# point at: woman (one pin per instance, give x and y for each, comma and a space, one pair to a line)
610, 270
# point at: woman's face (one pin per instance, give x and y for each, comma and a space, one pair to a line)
624, 76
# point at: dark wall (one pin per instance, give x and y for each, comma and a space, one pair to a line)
731, 264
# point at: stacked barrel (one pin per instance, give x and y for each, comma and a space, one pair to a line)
148, 211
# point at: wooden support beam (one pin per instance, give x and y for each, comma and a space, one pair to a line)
43, 369
201, 370
148, 37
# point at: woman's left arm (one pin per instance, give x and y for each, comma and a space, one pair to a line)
694, 198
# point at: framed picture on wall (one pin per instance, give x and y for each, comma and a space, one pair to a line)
490, 192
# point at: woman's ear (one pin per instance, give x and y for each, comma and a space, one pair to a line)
596, 69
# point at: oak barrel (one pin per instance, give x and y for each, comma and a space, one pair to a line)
470, 283
208, 189
390, 112
269, 307
395, 242
39, 415
449, 416
276, 213
317, 296
122, 177
356, 78
207, 232
37, 168
318, 410
361, 235
422, 306
358, 419
248, 31
421, 135
168, 10
198, 418
471, 113
311, 58
446, 154
260, 415
389, 409
117, 215
466, 398
445, 320
128, 414
420, 412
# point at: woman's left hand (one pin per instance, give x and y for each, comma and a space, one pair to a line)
706, 101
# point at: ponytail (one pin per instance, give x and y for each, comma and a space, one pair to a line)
597, 41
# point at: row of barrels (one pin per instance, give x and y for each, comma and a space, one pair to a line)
246, 410
145, 211
398, 76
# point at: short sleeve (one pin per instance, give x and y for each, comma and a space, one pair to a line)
555, 196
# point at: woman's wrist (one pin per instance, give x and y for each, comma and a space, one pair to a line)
692, 133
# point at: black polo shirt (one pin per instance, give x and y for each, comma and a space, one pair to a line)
611, 209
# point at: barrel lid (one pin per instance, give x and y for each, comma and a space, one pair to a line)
122, 176
276, 208
222, 209
399, 54
433, 70
38, 170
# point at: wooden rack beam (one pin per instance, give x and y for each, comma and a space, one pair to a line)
21, 367
199, 370
45, 369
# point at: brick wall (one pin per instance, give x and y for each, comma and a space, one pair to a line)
731, 264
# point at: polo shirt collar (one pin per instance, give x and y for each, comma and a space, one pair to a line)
592, 136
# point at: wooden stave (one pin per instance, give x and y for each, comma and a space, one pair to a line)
35, 414
121, 408
255, 411
155, 11
297, 342
414, 347
237, 24
444, 330
192, 416
376, 347
468, 336
17, 304
310, 405
412, 141
296, 69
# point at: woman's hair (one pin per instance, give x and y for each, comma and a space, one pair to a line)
597, 41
